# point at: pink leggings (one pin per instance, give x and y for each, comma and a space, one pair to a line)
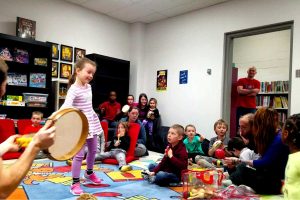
91, 143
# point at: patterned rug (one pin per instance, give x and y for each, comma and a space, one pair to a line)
51, 180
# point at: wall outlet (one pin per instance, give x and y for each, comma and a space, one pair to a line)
297, 73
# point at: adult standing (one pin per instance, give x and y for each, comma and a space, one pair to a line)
132, 117
247, 89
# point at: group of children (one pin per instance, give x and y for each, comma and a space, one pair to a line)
186, 145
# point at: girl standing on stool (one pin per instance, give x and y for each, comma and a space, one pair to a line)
80, 96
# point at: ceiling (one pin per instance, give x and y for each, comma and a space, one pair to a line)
145, 11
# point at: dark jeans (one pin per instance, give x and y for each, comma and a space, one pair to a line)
163, 178
240, 111
262, 181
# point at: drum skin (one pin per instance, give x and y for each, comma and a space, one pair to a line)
71, 133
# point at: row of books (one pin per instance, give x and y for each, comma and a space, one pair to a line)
272, 101
274, 86
30, 99
37, 80
20, 56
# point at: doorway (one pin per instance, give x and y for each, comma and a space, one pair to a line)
238, 57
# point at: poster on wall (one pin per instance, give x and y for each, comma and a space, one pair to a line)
183, 77
161, 81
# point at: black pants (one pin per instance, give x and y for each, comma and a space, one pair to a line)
262, 181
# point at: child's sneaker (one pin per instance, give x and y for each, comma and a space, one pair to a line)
125, 168
76, 189
92, 178
145, 175
151, 179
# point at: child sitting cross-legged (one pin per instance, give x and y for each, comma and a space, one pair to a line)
118, 147
168, 171
193, 142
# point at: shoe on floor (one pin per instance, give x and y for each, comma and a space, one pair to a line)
92, 178
145, 174
125, 168
76, 189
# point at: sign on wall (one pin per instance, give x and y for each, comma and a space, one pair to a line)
183, 77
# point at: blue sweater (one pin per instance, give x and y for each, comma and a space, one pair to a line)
275, 158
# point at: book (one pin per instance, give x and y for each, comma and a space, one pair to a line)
21, 56
26, 28
40, 61
5, 54
37, 80
16, 79
14, 98
277, 102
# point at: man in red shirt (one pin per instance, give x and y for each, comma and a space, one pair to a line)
247, 89
110, 109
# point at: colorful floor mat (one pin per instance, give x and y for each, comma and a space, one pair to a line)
51, 180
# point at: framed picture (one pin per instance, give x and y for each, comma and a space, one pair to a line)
37, 80
26, 28
54, 69
65, 70
161, 80
55, 50
78, 54
66, 53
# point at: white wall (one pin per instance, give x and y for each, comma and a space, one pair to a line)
192, 42
65, 23
195, 42
268, 52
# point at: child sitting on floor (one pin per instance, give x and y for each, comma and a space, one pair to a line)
36, 119
221, 140
118, 147
193, 142
291, 137
238, 147
168, 171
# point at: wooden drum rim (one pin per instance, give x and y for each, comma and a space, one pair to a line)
84, 133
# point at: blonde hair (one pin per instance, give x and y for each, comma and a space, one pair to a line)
37, 113
125, 125
178, 128
80, 64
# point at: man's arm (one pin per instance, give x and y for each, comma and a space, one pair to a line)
11, 177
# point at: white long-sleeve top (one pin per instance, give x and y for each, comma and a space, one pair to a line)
80, 97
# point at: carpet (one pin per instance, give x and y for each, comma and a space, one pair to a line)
51, 180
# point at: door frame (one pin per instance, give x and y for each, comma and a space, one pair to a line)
227, 63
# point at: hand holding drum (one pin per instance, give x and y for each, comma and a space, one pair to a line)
71, 129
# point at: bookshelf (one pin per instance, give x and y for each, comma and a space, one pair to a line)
275, 94
112, 74
29, 71
60, 92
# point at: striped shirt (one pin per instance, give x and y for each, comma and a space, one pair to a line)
80, 97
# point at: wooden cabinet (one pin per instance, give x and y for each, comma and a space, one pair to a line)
59, 92
29, 71
111, 74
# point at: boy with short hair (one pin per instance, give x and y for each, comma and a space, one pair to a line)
36, 119
168, 171
240, 150
221, 140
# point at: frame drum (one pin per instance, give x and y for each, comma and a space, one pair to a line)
71, 133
